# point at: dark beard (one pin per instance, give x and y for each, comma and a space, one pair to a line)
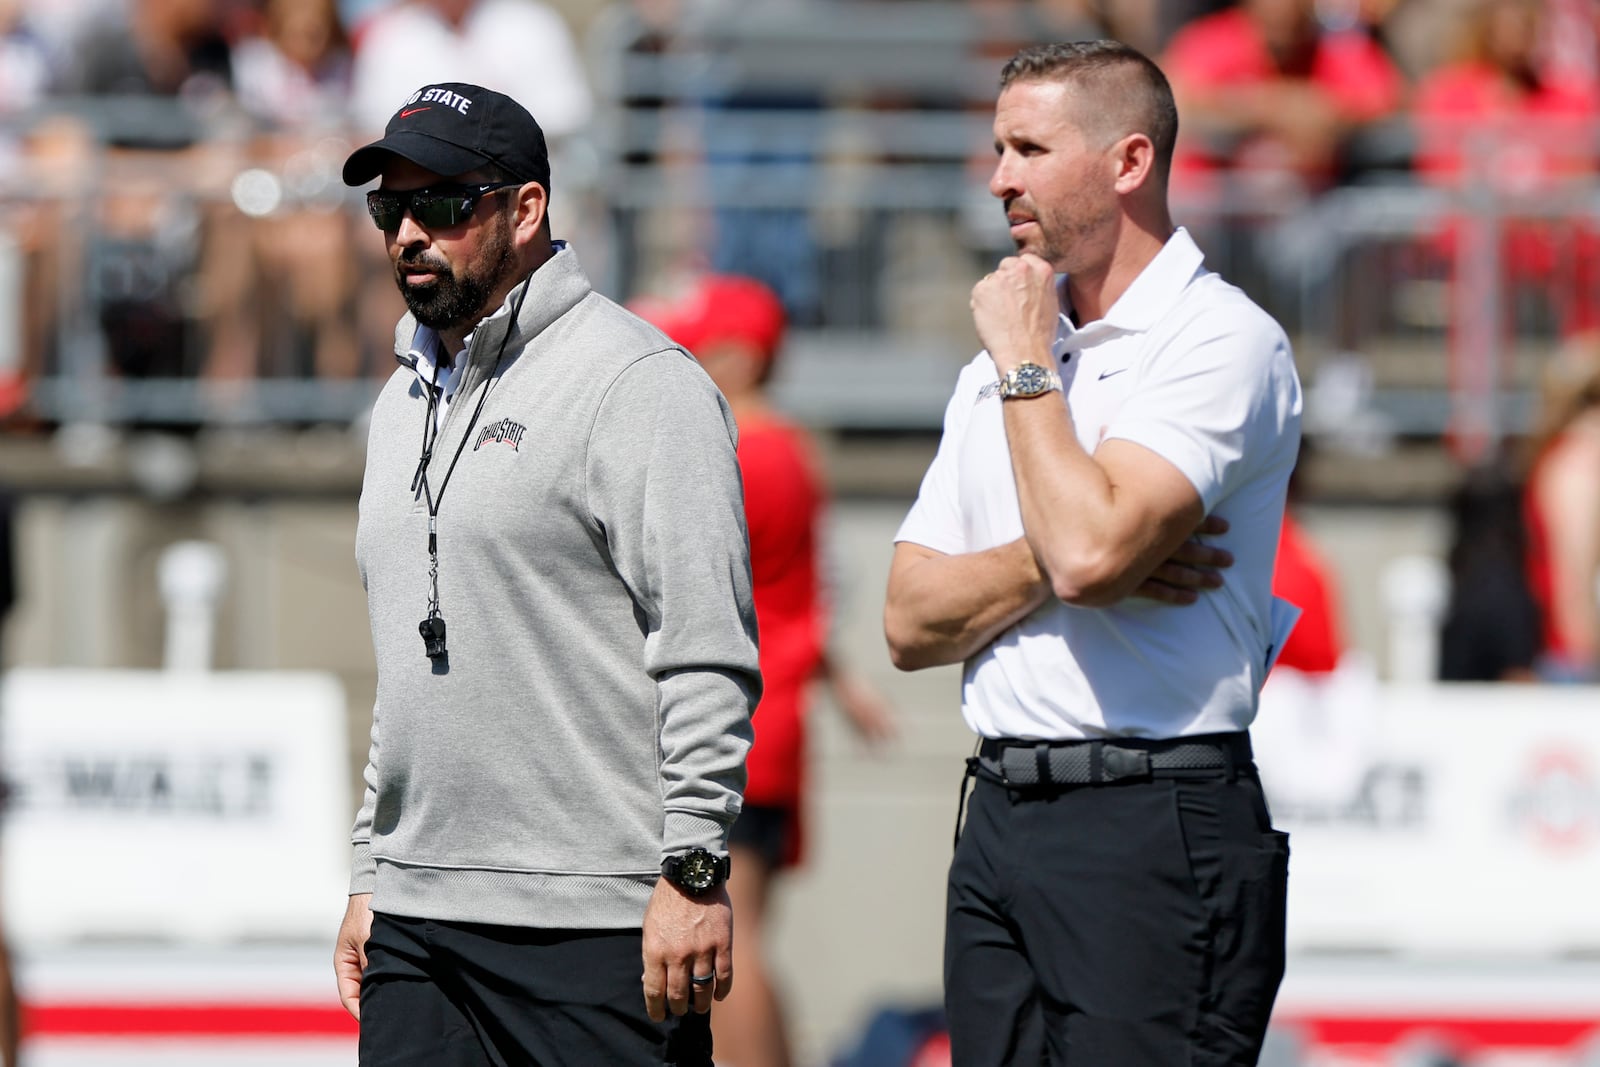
452, 299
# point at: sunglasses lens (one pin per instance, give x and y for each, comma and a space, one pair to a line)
386, 209
439, 210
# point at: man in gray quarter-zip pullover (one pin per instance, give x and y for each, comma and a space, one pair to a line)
552, 541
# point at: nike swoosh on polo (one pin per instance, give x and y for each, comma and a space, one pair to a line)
413, 111
1108, 373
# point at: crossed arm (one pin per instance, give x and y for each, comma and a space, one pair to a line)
1097, 528
944, 608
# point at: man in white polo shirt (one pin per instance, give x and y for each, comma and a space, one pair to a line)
1117, 894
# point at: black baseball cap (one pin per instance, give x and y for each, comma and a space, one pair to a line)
455, 127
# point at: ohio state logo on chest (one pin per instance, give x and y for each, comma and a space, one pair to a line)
504, 432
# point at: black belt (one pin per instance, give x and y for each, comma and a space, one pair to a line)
1022, 764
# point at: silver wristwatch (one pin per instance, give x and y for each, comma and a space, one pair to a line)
1028, 379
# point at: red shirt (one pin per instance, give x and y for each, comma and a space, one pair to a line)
1540, 139
1539, 136
1226, 50
1303, 579
783, 499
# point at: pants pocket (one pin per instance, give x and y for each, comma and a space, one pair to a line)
1248, 961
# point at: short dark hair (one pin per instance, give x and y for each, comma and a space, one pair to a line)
1116, 74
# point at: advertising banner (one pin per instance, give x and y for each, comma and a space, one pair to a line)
192, 807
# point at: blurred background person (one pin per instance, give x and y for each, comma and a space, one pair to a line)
164, 48
1491, 627
155, 83
1563, 515
1303, 577
299, 301
1495, 121
59, 23
25, 67
27, 229
734, 326
1494, 113
1277, 109
355, 14
294, 73
523, 46
1272, 97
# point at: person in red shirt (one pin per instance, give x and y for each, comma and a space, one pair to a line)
1304, 579
734, 326
1495, 120
1493, 115
1265, 91
1561, 508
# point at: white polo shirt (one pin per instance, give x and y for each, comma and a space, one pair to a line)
1189, 367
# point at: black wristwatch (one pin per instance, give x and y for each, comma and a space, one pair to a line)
695, 871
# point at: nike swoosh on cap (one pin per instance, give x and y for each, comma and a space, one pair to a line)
413, 111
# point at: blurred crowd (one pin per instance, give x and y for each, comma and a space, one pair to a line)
143, 144
171, 209
169, 175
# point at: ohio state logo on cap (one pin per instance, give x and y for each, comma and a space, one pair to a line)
456, 128
435, 95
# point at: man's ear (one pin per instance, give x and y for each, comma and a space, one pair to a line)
533, 207
1135, 158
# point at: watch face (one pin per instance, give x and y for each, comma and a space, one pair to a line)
1028, 379
1031, 380
697, 871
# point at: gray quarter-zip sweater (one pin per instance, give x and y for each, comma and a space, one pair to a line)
593, 712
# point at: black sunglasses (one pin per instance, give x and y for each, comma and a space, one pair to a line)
435, 207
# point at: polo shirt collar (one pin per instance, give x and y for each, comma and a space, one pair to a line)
1155, 290
426, 355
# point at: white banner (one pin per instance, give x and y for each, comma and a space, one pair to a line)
193, 807
1461, 820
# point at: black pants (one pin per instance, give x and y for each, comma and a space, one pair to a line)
1135, 924
439, 994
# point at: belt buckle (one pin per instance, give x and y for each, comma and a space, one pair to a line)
1117, 763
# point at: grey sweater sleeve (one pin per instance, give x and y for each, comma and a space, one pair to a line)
663, 484
363, 870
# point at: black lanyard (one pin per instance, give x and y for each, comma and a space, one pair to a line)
432, 627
